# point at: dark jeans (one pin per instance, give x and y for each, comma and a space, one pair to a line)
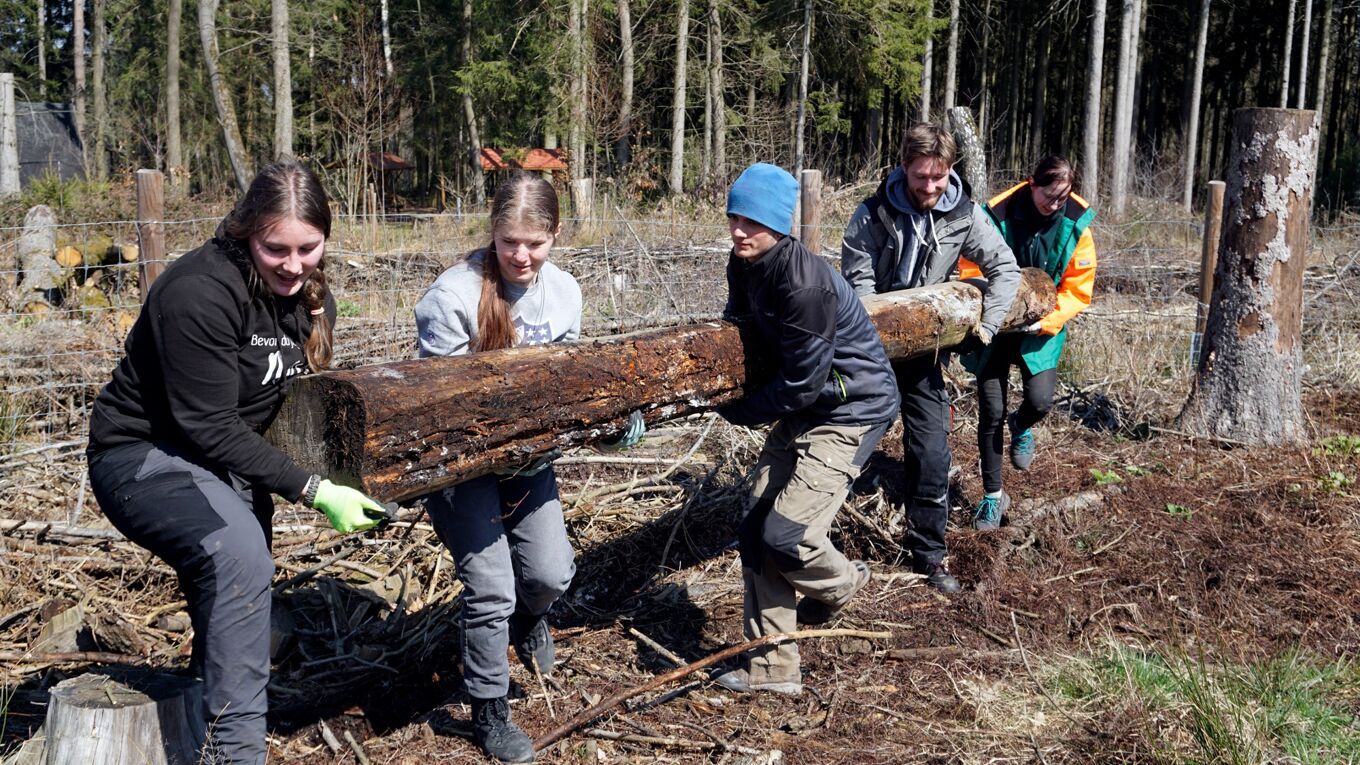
925, 452
992, 381
216, 536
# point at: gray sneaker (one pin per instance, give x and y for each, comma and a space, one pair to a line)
739, 681
990, 511
813, 611
1022, 445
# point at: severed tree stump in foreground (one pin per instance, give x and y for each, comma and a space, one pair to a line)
139, 717
1250, 378
404, 429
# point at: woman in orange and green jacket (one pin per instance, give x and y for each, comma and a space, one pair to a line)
1048, 226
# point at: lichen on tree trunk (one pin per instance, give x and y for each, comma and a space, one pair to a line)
1249, 383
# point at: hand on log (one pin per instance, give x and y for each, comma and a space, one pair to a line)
405, 429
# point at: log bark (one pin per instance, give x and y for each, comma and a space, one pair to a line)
1250, 378
136, 716
405, 429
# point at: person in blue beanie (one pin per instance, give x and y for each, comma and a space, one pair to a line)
831, 395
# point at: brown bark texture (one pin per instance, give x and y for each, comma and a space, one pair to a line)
404, 429
1249, 383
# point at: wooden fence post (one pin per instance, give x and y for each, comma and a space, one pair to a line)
1208, 261
810, 223
9, 138
1249, 383
150, 228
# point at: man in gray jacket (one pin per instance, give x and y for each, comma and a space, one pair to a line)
911, 233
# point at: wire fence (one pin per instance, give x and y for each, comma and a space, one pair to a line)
58, 345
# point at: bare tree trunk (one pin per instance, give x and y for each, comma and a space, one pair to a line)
1192, 125
387, 40
1123, 115
78, 73
927, 64
42, 49
951, 62
623, 150
677, 179
174, 152
1324, 49
1303, 53
706, 159
1090, 144
972, 162
984, 66
802, 90
719, 95
576, 144
283, 80
226, 113
101, 110
470, 115
1288, 54
1036, 121
1250, 378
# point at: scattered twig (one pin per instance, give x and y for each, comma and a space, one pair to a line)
1193, 437
668, 741
1114, 541
655, 646
328, 736
312, 571
585, 716
1078, 572
357, 747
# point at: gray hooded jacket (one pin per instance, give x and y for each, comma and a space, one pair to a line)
887, 225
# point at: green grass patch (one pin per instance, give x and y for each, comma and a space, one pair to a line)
1287, 709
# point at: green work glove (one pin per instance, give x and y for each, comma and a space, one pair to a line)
631, 435
348, 510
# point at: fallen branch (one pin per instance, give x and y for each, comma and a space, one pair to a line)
585, 716
70, 657
668, 741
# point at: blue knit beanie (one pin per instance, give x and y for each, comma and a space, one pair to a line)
765, 194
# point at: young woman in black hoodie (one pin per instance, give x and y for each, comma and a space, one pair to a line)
177, 458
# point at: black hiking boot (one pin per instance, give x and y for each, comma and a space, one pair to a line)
938, 576
532, 641
496, 734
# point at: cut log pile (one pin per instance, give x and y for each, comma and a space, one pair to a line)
404, 429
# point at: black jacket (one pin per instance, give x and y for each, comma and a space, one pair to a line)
206, 369
831, 363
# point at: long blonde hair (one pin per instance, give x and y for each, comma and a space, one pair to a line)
289, 189
523, 198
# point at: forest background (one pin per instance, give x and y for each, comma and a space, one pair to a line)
652, 98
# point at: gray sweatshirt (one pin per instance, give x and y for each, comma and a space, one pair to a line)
547, 311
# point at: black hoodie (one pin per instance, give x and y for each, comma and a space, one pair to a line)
206, 369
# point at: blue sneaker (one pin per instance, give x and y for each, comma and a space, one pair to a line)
1022, 446
990, 511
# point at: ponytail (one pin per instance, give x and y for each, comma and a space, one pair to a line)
494, 328
318, 346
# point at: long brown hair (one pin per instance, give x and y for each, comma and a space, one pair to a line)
527, 199
289, 189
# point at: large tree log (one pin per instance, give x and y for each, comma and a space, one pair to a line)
1249, 384
407, 428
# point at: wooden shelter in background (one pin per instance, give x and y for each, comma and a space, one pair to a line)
497, 162
384, 170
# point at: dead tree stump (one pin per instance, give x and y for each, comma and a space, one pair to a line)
43, 280
1250, 378
132, 718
